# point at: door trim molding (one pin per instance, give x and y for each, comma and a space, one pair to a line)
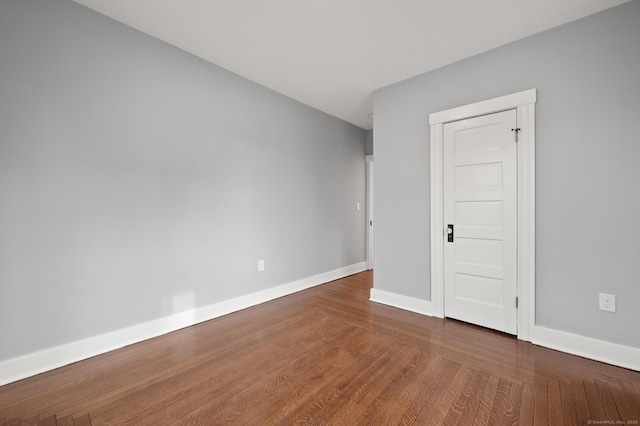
524, 104
370, 177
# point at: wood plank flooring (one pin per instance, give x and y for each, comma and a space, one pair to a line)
328, 356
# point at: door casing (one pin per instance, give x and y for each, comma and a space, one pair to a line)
369, 215
524, 103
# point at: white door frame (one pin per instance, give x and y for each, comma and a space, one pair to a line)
524, 103
369, 216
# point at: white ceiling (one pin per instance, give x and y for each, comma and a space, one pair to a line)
332, 54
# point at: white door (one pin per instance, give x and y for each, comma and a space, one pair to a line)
480, 217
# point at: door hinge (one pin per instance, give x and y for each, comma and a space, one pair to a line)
516, 303
517, 130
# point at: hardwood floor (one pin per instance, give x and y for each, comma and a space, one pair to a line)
328, 356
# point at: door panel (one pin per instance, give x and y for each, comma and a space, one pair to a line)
478, 289
480, 201
478, 213
487, 176
479, 252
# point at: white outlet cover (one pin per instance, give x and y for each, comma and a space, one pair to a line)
260, 265
607, 302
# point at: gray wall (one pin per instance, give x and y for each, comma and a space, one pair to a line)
137, 181
588, 168
369, 149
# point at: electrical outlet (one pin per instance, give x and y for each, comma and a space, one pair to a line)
607, 302
260, 265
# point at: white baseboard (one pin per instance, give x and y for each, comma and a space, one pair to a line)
587, 347
403, 302
38, 362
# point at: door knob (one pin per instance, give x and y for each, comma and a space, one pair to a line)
450, 233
